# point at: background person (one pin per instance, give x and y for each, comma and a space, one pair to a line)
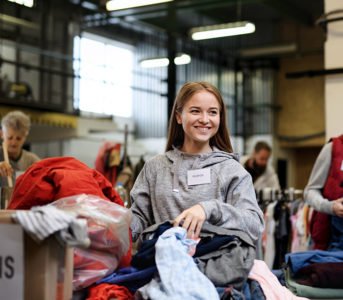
324, 192
15, 129
262, 173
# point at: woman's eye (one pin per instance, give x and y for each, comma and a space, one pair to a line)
194, 111
213, 112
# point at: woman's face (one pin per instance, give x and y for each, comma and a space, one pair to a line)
200, 118
14, 140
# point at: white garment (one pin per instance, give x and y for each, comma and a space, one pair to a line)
269, 242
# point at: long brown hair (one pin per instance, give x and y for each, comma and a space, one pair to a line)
175, 132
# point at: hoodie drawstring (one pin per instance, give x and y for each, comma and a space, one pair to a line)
176, 174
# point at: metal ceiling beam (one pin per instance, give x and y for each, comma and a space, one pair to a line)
283, 7
18, 21
181, 6
286, 8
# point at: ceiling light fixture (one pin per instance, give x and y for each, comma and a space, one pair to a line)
181, 59
27, 3
123, 4
222, 30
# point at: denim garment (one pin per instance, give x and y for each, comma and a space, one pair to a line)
336, 234
297, 260
251, 291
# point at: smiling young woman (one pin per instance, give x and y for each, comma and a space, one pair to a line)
198, 179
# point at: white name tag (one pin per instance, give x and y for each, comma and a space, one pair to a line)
199, 176
342, 166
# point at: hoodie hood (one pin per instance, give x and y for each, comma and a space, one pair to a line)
201, 160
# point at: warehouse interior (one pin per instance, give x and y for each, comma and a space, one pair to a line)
91, 76
265, 77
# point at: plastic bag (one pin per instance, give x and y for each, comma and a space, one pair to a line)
109, 231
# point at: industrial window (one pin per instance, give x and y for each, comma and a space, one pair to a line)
103, 81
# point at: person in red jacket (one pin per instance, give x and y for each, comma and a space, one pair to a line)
324, 192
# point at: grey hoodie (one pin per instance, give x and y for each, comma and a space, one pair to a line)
161, 192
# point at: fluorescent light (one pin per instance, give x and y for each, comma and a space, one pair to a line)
123, 4
222, 30
269, 50
154, 62
28, 3
181, 59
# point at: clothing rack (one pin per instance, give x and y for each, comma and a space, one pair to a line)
269, 195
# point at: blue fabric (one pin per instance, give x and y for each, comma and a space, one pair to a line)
146, 254
251, 291
336, 234
298, 260
280, 275
210, 244
130, 277
178, 276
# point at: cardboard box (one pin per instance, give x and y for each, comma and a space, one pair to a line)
48, 267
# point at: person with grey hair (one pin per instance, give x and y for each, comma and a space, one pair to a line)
15, 129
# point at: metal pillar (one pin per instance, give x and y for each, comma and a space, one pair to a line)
171, 47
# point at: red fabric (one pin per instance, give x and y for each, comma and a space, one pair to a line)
320, 222
53, 178
105, 291
101, 161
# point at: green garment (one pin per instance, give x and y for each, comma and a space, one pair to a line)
311, 292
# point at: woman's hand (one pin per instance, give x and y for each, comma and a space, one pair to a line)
5, 169
337, 207
192, 218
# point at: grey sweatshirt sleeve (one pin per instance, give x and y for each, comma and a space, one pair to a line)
240, 211
313, 191
141, 209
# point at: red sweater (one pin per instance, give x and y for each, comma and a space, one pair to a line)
53, 178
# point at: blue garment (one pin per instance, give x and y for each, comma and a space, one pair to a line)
336, 234
280, 275
130, 277
146, 254
251, 291
210, 244
298, 260
178, 276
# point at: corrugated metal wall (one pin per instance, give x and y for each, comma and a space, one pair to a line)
248, 93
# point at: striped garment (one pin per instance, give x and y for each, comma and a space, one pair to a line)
42, 221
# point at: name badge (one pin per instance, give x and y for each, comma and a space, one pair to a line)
342, 166
199, 176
